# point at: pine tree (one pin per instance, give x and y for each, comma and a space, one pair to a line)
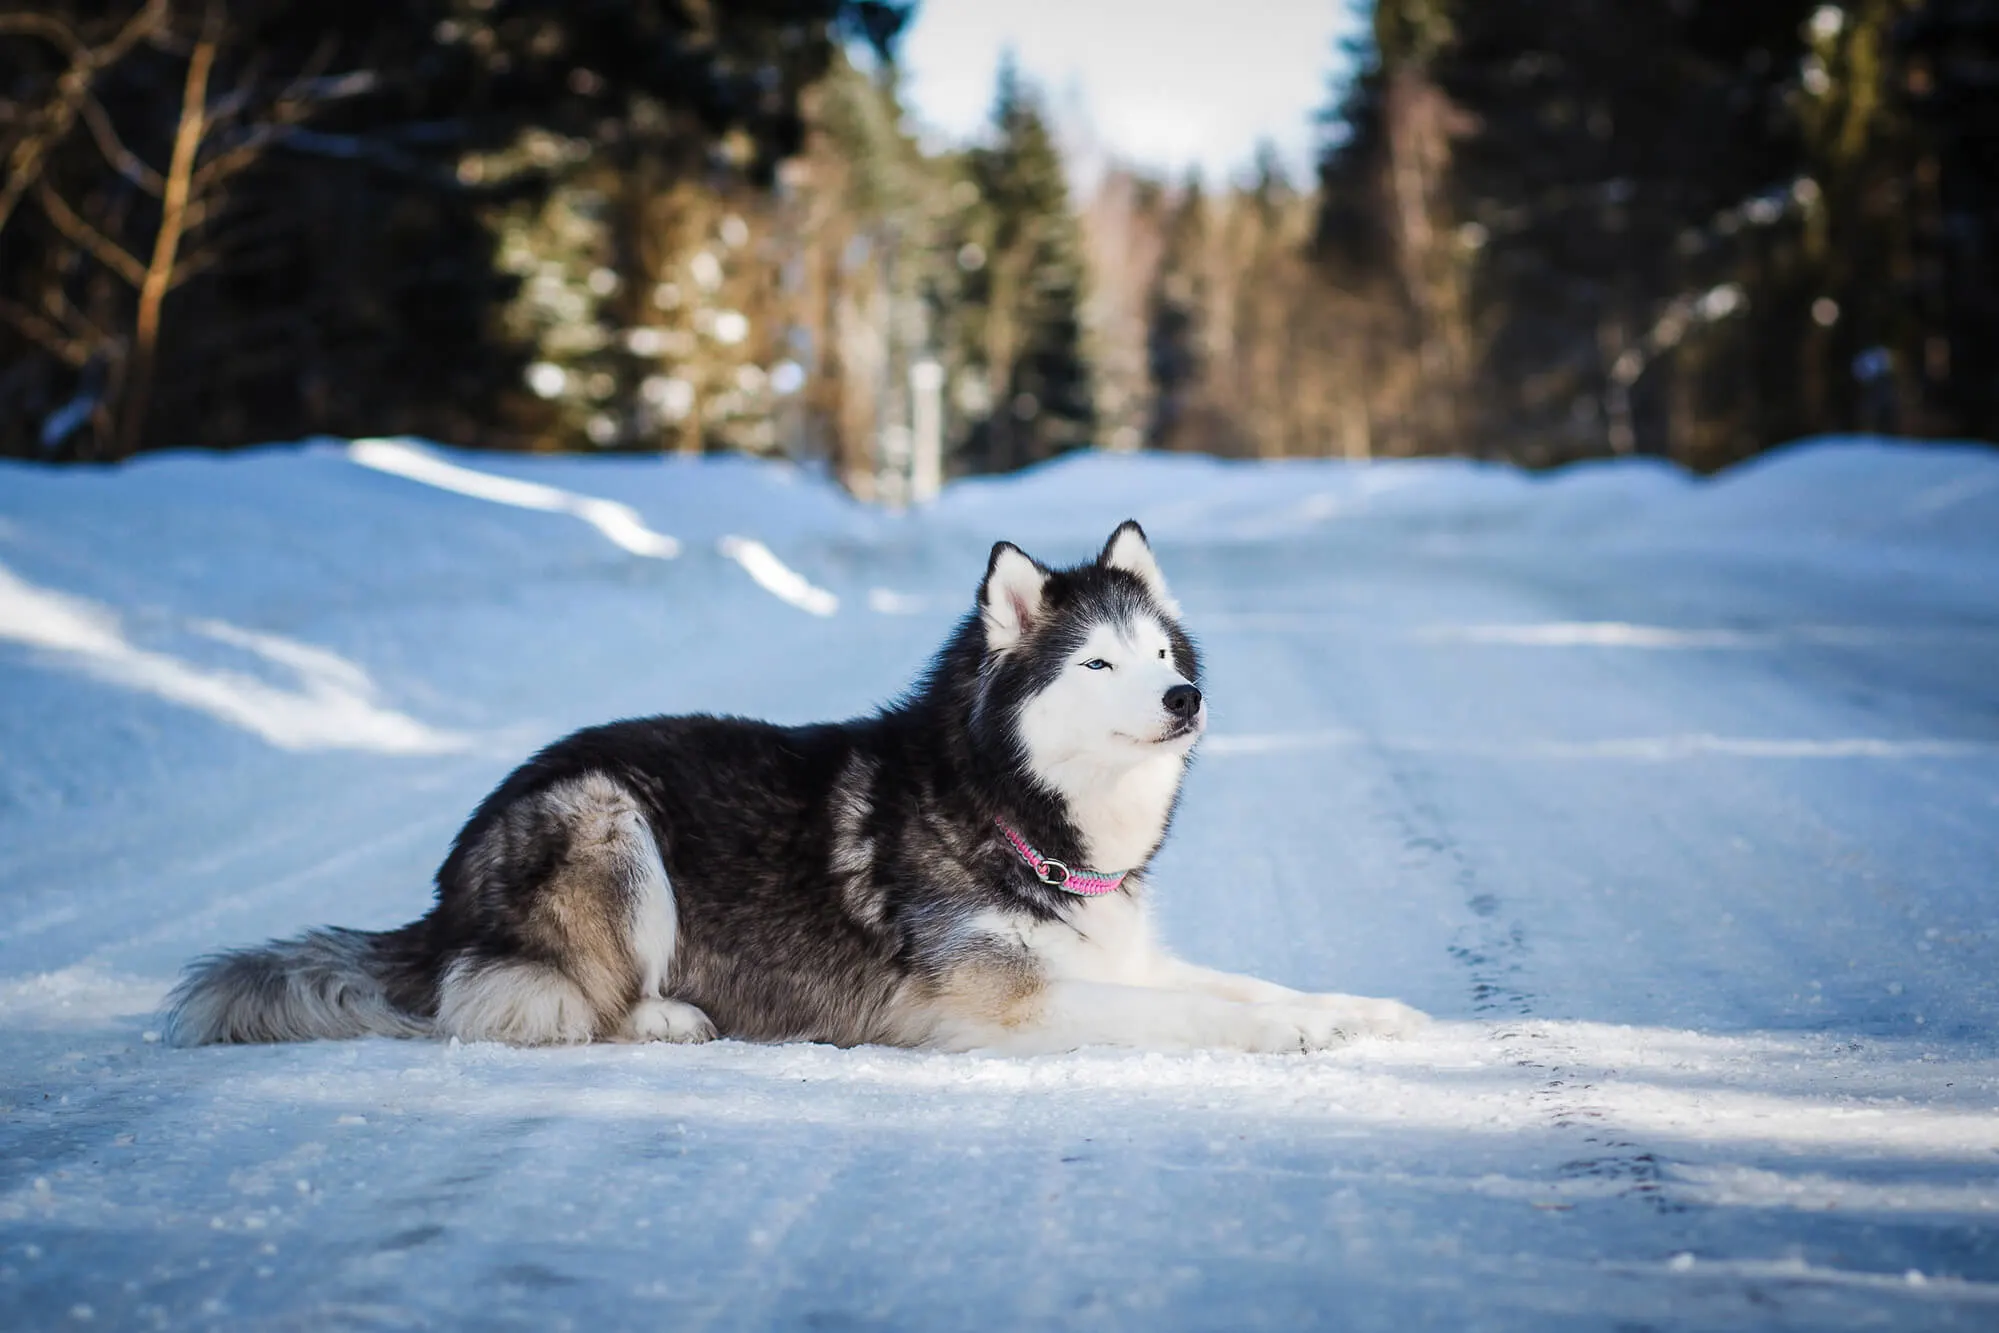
1592, 217
1176, 353
353, 170
872, 227
1942, 61
1026, 290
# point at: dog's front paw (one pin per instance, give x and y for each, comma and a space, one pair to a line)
1364, 1017
1288, 1028
657, 1019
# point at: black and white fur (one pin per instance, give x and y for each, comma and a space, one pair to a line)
680, 878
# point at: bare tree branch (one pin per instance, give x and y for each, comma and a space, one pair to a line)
303, 97
194, 266
52, 29
109, 253
72, 352
24, 164
56, 304
147, 22
314, 89
308, 76
115, 152
173, 218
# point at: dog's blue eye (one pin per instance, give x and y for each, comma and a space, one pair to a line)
1097, 664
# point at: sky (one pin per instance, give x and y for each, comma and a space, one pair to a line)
1169, 84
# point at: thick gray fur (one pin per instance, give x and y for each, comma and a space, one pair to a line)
322, 984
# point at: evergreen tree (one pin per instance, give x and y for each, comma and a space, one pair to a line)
1243, 338
1389, 238
1942, 59
1579, 202
236, 220
873, 228
1176, 353
1026, 290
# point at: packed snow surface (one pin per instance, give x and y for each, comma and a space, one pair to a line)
1676, 801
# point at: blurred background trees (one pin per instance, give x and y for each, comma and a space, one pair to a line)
490, 221
1695, 228
1540, 230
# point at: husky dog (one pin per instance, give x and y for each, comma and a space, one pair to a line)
963, 870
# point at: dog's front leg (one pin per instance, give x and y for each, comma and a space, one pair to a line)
1357, 1014
1065, 1015
1178, 974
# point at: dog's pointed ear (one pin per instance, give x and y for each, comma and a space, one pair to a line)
1128, 550
1011, 600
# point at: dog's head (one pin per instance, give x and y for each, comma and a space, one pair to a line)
1089, 664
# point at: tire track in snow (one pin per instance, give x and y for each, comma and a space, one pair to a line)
766, 1267
1495, 951
1492, 950
1564, 1102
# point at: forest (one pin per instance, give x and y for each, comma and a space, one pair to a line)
1539, 231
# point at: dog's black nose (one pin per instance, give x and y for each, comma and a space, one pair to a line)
1183, 701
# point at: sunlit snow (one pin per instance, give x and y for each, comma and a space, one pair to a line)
1677, 801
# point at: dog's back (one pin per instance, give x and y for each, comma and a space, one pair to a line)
615, 857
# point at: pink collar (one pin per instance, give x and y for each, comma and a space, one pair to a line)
1087, 883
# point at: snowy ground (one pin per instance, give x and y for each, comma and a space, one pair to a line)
1677, 802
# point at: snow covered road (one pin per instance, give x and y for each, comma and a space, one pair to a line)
1678, 803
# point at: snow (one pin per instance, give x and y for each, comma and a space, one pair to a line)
1677, 801
618, 522
329, 704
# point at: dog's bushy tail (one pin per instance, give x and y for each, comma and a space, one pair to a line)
327, 983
